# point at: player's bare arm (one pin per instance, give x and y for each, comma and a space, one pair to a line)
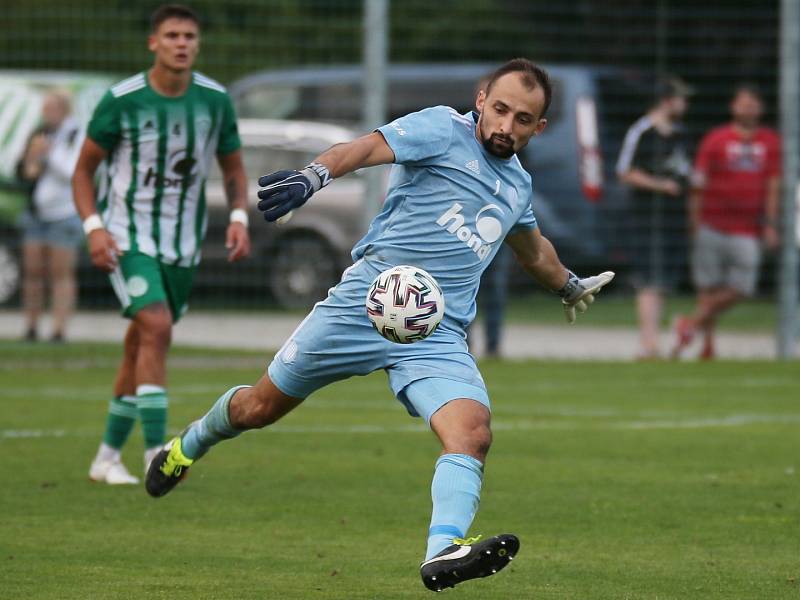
537, 256
367, 151
237, 239
285, 191
102, 248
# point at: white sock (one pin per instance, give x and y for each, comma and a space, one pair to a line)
149, 455
107, 453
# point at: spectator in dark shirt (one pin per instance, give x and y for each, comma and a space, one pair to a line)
655, 163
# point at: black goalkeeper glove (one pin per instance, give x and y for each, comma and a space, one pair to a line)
286, 190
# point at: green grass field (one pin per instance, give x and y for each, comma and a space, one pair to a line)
614, 309
619, 310
640, 481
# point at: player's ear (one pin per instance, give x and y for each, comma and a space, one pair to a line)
480, 100
152, 42
540, 126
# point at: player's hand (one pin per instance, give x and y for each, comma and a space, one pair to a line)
237, 241
578, 294
285, 191
103, 250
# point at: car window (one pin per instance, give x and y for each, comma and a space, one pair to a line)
341, 103
260, 160
406, 96
623, 98
268, 102
333, 103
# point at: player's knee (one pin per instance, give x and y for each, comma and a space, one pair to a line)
481, 441
157, 334
474, 442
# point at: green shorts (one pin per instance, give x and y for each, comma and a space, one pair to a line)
140, 280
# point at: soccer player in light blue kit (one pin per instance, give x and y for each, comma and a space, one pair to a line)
456, 193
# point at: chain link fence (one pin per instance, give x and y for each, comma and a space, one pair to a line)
300, 61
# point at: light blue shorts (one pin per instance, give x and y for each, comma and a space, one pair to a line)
336, 341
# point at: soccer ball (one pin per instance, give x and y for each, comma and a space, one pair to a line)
405, 304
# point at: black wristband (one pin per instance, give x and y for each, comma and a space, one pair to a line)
573, 283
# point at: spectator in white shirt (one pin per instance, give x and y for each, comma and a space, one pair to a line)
51, 228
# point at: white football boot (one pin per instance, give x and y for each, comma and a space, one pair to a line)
112, 472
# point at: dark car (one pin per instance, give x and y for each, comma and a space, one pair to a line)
296, 263
577, 199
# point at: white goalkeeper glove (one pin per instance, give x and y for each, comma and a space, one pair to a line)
577, 294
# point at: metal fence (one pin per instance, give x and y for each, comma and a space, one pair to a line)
303, 61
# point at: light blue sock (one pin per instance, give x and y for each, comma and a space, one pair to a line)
456, 493
214, 427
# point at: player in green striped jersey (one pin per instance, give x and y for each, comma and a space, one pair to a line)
158, 133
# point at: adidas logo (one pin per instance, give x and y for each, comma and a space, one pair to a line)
474, 166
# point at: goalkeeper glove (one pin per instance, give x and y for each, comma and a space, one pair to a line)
578, 294
286, 190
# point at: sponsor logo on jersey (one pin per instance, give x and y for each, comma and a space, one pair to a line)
396, 126
137, 286
488, 228
180, 167
748, 157
474, 166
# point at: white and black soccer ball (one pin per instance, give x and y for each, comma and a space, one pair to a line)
405, 304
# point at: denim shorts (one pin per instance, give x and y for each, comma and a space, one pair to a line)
64, 233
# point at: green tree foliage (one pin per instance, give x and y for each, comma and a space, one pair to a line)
710, 41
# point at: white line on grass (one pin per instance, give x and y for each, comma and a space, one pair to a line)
500, 425
9, 434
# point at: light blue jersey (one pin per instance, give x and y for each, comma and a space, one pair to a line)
449, 205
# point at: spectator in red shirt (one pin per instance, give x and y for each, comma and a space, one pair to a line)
733, 207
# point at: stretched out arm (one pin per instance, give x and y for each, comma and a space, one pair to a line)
539, 259
285, 191
537, 256
367, 151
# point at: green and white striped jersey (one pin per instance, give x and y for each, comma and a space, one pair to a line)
152, 195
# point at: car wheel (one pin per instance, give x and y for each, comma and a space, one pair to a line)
9, 273
303, 270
